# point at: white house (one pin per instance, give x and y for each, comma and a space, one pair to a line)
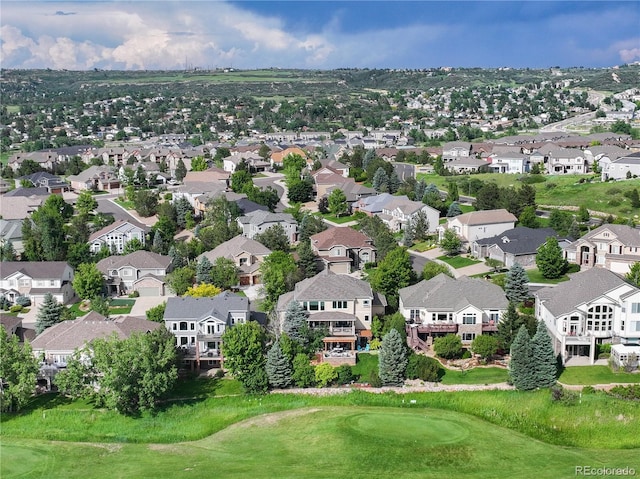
35, 279
621, 168
115, 236
257, 222
477, 225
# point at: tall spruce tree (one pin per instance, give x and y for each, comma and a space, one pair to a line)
392, 359
508, 326
295, 322
454, 209
204, 269
515, 285
278, 367
544, 359
380, 181
521, 365
307, 259
49, 313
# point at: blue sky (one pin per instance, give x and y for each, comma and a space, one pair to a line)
148, 34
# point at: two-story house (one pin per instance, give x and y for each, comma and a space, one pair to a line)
396, 211
622, 168
35, 279
442, 305
343, 305
102, 178
343, 249
456, 149
595, 306
247, 255
257, 222
477, 225
141, 271
518, 245
614, 247
115, 236
42, 179
199, 323
512, 162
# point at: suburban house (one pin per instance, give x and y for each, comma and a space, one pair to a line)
46, 159
199, 323
35, 279
56, 344
456, 149
116, 236
254, 161
477, 225
100, 178
595, 306
517, 245
11, 232
621, 168
247, 254
343, 249
561, 161
466, 165
614, 247
42, 179
18, 204
396, 211
141, 271
342, 304
442, 305
277, 157
257, 222
512, 162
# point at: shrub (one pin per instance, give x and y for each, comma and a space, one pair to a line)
614, 202
374, 379
604, 355
345, 374
16, 308
23, 301
375, 344
219, 373
588, 390
630, 393
614, 190
168, 196
550, 185
573, 268
325, 374
448, 347
424, 368
531, 179
466, 354
563, 396
604, 348
134, 294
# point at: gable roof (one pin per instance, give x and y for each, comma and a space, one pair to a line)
581, 288
35, 269
236, 246
327, 286
121, 225
447, 294
219, 306
624, 234
520, 240
341, 235
260, 217
485, 217
140, 259
74, 334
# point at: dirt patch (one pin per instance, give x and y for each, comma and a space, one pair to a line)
271, 418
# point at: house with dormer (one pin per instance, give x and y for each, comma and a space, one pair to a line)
477, 225
42, 179
343, 250
613, 247
247, 254
199, 323
115, 236
257, 222
141, 271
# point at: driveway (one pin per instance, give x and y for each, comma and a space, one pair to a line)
144, 303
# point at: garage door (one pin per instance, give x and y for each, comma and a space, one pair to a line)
149, 291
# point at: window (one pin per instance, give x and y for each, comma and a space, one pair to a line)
52, 282
366, 317
468, 336
494, 316
183, 326
365, 302
637, 326
469, 318
243, 261
414, 314
175, 326
635, 308
114, 272
25, 282
316, 305
339, 305
599, 318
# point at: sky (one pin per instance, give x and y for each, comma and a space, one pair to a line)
157, 34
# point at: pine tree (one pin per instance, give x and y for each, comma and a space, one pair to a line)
307, 259
393, 183
408, 234
392, 359
380, 180
203, 270
452, 191
7, 252
574, 230
521, 366
419, 189
181, 170
508, 326
295, 322
177, 261
48, 314
544, 359
158, 244
454, 210
278, 368
420, 225
515, 285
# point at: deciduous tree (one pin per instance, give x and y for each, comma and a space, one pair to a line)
18, 372
203, 290
274, 238
181, 279
224, 274
485, 345
395, 271
450, 243
448, 347
432, 269
243, 347
88, 281
337, 202
277, 276
550, 260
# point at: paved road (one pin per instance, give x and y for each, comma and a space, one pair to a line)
404, 170
107, 206
275, 181
417, 262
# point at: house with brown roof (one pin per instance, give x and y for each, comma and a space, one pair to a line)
613, 247
18, 204
115, 236
342, 304
477, 225
141, 271
343, 249
35, 279
100, 178
277, 157
247, 255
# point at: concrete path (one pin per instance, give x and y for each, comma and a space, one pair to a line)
145, 303
433, 254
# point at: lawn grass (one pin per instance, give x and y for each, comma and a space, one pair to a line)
423, 246
116, 307
535, 276
417, 435
339, 220
457, 262
126, 204
491, 375
4, 158
596, 375
367, 363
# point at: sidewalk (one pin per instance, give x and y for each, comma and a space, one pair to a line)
433, 254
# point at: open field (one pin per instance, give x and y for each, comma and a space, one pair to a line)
356, 435
563, 190
588, 375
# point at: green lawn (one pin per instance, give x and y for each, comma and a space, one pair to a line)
116, 308
423, 246
457, 262
127, 205
535, 276
367, 362
596, 375
4, 157
491, 375
339, 220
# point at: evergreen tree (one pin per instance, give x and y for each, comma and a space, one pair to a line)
7, 252
181, 170
574, 231
528, 218
177, 261
394, 183
550, 260
158, 244
452, 192
544, 359
508, 326
633, 276
454, 210
521, 365
295, 323
408, 234
204, 269
307, 259
634, 197
48, 314
515, 285
420, 225
278, 368
380, 181
419, 189
392, 359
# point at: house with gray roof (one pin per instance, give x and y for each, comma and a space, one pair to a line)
42, 179
11, 232
396, 211
102, 178
257, 222
613, 247
35, 279
477, 225
342, 304
517, 245
247, 255
594, 307
141, 271
115, 236
18, 204
622, 168
343, 250
509, 162
442, 305
199, 323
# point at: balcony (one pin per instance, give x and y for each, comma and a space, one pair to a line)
208, 337
438, 328
490, 327
342, 330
